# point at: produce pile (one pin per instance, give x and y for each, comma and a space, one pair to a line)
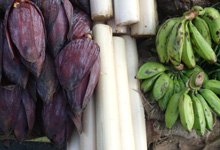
47, 55
179, 83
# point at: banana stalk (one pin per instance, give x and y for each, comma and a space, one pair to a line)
107, 123
137, 108
129, 14
117, 29
126, 126
101, 10
148, 19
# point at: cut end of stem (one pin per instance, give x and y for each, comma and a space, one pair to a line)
199, 79
190, 15
179, 67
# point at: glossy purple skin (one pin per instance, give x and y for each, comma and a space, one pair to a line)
26, 34
13, 68
47, 83
75, 61
10, 102
81, 25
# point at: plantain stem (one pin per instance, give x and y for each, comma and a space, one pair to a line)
190, 15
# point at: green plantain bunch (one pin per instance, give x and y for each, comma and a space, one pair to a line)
187, 94
186, 39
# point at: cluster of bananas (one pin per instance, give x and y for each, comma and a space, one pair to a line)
186, 94
186, 39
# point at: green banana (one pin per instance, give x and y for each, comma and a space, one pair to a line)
161, 39
187, 55
147, 84
185, 79
203, 29
172, 111
161, 86
212, 99
177, 86
199, 116
165, 99
207, 111
213, 85
186, 111
198, 9
175, 43
202, 48
181, 83
150, 69
212, 18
